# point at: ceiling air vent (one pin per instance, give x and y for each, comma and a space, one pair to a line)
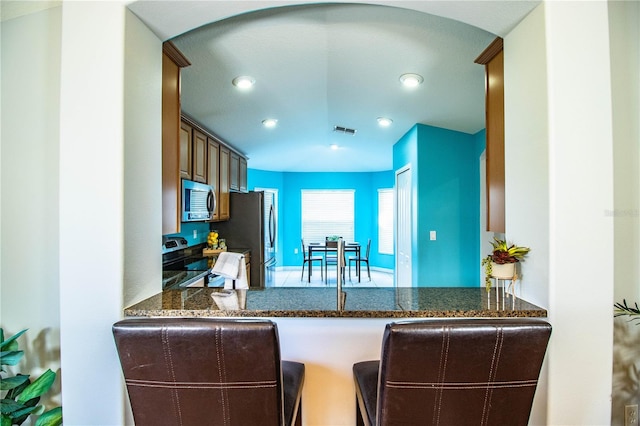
344, 130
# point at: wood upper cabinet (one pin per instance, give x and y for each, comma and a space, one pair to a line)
213, 172
172, 62
234, 172
242, 178
493, 59
212, 162
186, 150
200, 146
225, 158
237, 173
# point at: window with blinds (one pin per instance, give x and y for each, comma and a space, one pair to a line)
326, 213
385, 221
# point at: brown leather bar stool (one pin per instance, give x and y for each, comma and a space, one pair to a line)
201, 371
453, 372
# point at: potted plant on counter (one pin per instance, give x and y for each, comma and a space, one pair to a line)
501, 263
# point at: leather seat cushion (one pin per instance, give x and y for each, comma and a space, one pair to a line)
366, 377
292, 378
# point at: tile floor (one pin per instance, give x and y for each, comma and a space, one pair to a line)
290, 277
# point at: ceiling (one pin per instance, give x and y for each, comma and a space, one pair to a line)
317, 66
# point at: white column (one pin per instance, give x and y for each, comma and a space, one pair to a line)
580, 194
91, 209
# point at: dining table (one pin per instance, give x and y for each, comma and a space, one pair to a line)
349, 247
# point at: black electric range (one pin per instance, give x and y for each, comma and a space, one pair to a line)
184, 266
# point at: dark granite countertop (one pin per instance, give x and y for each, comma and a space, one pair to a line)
322, 303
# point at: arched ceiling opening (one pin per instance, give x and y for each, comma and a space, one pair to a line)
322, 65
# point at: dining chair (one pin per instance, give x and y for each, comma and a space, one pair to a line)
453, 372
208, 371
359, 260
331, 257
307, 259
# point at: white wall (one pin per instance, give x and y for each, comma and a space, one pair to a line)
29, 186
91, 209
329, 347
578, 133
92, 143
526, 152
527, 167
625, 68
142, 162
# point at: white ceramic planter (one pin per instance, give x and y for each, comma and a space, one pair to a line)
505, 271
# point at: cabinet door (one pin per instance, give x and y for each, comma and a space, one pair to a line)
186, 134
242, 178
171, 135
225, 158
199, 157
213, 172
493, 60
495, 145
234, 172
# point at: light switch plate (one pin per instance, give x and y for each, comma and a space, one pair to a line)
432, 235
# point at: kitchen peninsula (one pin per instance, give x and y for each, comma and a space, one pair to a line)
304, 302
328, 340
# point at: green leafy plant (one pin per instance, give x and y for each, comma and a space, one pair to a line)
502, 253
624, 309
20, 396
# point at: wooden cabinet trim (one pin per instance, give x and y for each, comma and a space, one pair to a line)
490, 52
170, 49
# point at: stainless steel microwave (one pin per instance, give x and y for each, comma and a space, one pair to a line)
198, 201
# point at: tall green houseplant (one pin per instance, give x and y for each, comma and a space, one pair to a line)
20, 396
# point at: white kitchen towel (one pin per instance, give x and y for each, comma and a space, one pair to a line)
233, 268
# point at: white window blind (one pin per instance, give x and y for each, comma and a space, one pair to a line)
385, 221
326, 213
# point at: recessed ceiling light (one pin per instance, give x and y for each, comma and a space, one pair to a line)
269, 122
384, 122
334, 146
411, 80
244, 82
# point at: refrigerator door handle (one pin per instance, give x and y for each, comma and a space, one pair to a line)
272, 227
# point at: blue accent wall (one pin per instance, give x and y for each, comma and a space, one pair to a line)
186, 232
290, 186
446, 194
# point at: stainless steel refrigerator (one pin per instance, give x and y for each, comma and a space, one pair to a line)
252, 225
